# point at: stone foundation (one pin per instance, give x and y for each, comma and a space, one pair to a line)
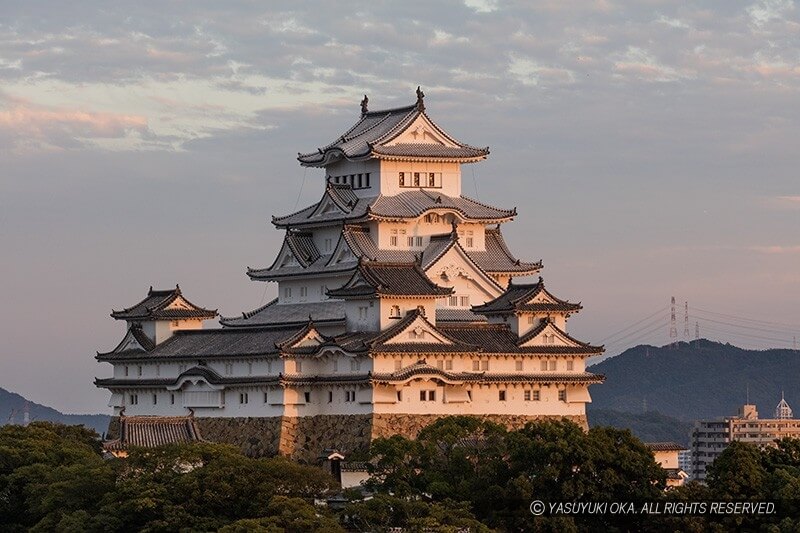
256, 437
304, 438
386, 425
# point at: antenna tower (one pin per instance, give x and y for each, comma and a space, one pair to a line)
686, 320
697, 330
673, 328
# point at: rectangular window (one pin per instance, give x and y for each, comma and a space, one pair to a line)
518, 365
440, 364
531, 319
431, 179
328, 246
423, 395
537, 395
448, 365
362, 313
485, 365
452, 301
307, 397
134, 399
476, 365
399, 396
172, 399
228, 369
155, 399
418, 241
527, 395
139, 370
393, 238
303, 292
349, 396
287, 293
402, 179
469, 395
335, 365
562, 395
360, 182
570, 365
544, 365
269, 366
243, 398
367, 179
502, 395
250, 369
431, 395
126, 370
416, 179
464, 301
398, 364
158, 370
266, 397
552, 365
298, 365
411, 241
330, 396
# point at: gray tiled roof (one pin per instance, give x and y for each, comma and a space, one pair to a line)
288, 314
152, 431
153, 307
665, 446
516, 296
497, 258
413, 204
445, 314
423, 369
406, 205
499, 338
365, 139
320, 265
395, 279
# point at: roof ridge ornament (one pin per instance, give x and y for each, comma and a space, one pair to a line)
364, 104
420, 99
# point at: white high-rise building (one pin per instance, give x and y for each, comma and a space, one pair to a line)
396, 305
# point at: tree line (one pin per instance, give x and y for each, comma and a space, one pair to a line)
460, 474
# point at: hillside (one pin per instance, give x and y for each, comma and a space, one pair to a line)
700, 379
649, 427
12, 406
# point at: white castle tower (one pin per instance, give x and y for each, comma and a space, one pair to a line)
396, 305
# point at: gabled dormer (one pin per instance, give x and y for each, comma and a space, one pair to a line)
161, 313
525, 306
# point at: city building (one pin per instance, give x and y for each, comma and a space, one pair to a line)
667, 455
398, 303
709, 438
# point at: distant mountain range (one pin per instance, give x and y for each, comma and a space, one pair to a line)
13, 407
651, 426
696, 380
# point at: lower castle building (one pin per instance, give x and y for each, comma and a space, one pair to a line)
397, 304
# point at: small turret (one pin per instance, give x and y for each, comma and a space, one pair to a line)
162, 312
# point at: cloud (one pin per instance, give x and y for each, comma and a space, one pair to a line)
777, 249
769, 10
641, 64
35, 126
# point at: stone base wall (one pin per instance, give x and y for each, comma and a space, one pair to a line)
386, 425
255, 436
304, 438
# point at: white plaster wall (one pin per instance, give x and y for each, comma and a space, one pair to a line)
485, 400
405, 305
497, 363
372, 322
666, 459
345, 168
314, 286
389, 176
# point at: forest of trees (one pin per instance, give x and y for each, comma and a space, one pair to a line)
461, 474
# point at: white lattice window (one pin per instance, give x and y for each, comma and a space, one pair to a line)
562, 395
518, 365
448, 365
552, 365
393, 238
570, 365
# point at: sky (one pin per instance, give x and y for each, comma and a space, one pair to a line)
650, 147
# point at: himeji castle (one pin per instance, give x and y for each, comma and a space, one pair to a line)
398, 302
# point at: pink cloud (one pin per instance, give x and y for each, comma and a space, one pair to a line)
777, 249
30, 124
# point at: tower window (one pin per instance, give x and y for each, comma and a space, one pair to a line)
411, 241
402, 179
155, 399
416, 179
562, 395
518, 365
502, 395
394, 312
330, 396
393, 238
448, 365
552, 364
172, 399
307, 397
243, 398
570, 365
349, 396
266, 397
431, 179
537, 395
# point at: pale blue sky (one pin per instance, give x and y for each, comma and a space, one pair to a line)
650, 148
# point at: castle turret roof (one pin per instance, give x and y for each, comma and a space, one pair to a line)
164, 305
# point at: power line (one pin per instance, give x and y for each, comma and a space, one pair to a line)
763, 330
791, 326
659, 321
633, 325
747, 335
639, 337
